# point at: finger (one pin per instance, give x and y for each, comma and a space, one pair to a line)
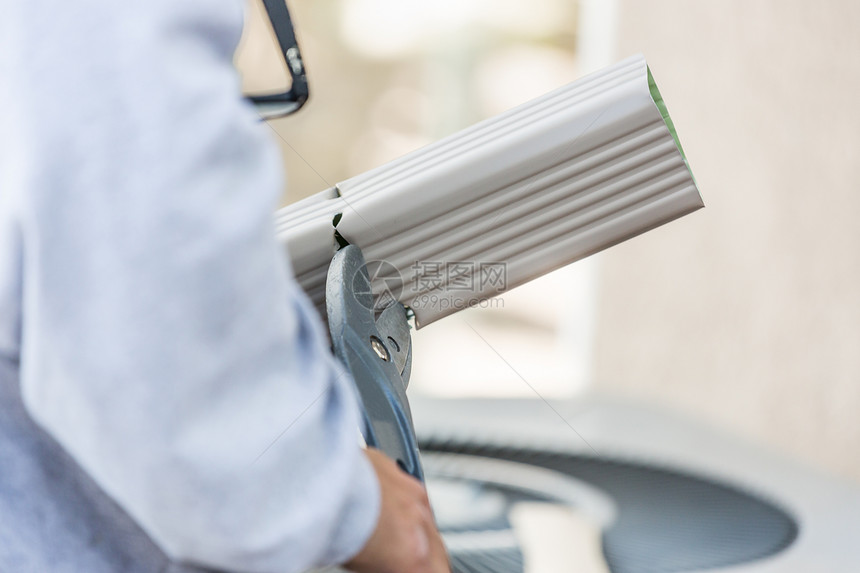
439, 555
423, 543
427, 517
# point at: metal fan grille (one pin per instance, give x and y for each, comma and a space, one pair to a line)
667, 521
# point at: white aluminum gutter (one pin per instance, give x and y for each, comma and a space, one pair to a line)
509, 199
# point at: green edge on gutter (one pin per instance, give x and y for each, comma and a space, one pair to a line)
661, 106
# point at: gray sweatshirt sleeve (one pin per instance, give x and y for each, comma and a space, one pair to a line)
164, 342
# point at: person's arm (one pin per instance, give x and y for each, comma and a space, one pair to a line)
164, 344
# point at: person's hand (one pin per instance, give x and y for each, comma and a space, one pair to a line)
405, 539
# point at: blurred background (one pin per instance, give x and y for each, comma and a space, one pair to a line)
745, 315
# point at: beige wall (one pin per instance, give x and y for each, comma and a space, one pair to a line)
748, 313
